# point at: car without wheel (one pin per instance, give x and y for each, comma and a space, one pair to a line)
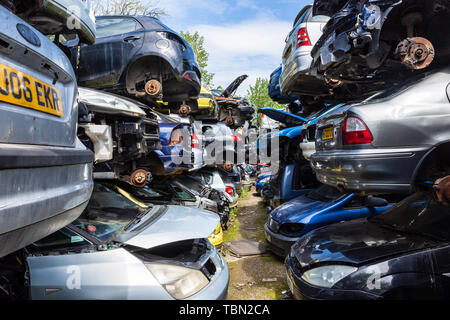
142, 58
395, 141
46, 172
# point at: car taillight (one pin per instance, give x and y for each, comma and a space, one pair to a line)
237, 139
229, 190
176, 138
195, 142
303, 38
355, 131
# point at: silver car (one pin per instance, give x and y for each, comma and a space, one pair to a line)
52, 17
392, 142
297, 59
46, 172
121, 249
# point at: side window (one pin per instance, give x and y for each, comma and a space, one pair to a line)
181, 194
113, 27
62, 239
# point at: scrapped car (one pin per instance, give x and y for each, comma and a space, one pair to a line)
395, 141
181, 149
46, 172
401, 254
233, 111
368, 44
123, 134
120, 249
274, 89
295, 78
322, 206
142, 58
54, 17
261, 180
206, 103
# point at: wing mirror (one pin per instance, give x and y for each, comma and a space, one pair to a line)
372, 202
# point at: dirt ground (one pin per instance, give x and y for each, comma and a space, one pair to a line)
260, 277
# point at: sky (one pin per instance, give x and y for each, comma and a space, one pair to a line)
241, 36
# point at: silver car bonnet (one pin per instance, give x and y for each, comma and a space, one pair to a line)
177, 223
102, 102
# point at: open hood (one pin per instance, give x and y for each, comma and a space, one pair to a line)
231, 89
175, 224
284, 117
108, 103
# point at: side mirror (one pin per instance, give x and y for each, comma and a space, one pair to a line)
372, 202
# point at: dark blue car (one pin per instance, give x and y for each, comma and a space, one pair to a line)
320, 207
275, 89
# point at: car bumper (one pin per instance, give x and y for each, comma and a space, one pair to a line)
277, 243
218, 287
301, 290
308, 149
43, 189
370, 170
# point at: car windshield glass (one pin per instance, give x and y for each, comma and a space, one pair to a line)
417, 214
325, 193
108, 213
148, 194
192, 184
112, 27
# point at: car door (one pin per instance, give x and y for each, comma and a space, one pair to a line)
118, 40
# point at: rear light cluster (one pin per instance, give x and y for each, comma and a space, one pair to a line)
355, 131
229, 190
303, 38
195, 141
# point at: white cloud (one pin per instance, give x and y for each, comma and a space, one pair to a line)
252, 47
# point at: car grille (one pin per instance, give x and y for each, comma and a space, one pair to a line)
209, 269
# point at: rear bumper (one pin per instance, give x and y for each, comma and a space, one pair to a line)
371, 170
43, 189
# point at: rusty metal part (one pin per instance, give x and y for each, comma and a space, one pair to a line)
228, 166
442, 188
229, 121
334, 83
153, 88
139, 178
184, 109
415, 53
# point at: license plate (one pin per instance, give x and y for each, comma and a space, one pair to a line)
327, 133
23, 90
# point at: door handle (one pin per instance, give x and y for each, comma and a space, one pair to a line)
131, 38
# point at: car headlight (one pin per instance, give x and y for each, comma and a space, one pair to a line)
179, 282
265, 180
327, 276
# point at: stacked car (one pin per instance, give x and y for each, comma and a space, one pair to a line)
372, 81
96, 181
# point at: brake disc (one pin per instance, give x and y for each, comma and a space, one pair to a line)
139, 178
415, 53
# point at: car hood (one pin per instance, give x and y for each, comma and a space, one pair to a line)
231, 89
175, 223
356, 242
283, 117
297, 209
98, 101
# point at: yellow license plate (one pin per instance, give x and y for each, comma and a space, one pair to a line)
23, 90
327, 134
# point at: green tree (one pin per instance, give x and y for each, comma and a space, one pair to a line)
198, 45
258, 97
128, 7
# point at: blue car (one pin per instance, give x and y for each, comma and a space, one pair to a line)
275, 89
179, 143
320, 207
262, 180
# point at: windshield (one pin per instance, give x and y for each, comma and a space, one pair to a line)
325, 194
418, 214
108, 213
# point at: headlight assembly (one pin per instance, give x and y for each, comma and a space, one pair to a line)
179, 282
327, 276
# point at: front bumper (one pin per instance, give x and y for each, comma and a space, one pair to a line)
277, 243
301, 290
369, 170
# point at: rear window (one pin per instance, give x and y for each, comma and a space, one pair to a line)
325, 193
113, 27
318, 18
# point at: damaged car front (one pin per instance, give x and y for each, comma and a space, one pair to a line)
366, 42
119, 249
124, 135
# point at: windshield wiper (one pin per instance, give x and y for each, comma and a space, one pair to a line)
137, 219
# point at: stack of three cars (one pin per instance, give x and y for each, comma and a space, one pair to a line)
65, 235
387, 64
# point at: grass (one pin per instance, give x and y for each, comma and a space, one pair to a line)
244, 193
234, 223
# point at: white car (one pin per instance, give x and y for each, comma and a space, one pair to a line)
297, 59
